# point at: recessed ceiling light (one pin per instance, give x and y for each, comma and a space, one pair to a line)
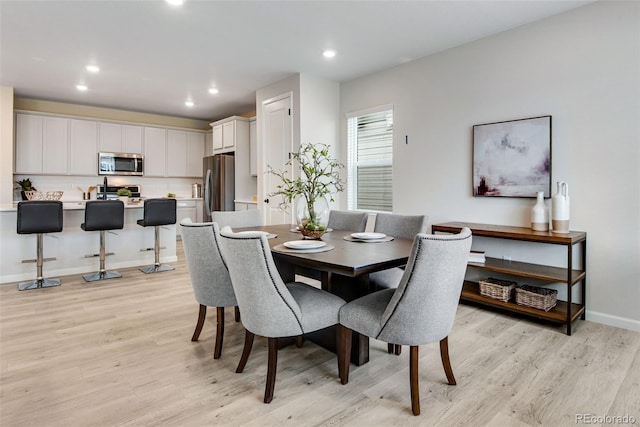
93, 68
189, 103
82, 88
175, 2
329, 53
213, 91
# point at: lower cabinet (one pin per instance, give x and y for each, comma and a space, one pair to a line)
246, 206
185, 209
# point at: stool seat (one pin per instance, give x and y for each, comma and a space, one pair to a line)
157, 212
39, 217
103, 215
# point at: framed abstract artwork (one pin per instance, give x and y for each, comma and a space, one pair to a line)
512, 158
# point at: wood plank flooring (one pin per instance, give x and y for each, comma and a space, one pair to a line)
118, 353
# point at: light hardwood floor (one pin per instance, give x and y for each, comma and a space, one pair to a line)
118, 353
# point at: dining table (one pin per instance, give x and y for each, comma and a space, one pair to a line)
342, 265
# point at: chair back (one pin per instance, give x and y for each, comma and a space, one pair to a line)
402, 226
237, 219
424, 305
159, 212
348, 220
103, 215
39, 216
209, 275
268, 308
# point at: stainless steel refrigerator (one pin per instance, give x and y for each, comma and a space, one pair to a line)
219, 184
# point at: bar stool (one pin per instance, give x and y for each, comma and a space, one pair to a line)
39, 217
103, 215
157, 212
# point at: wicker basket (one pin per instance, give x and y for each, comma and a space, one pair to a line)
536, 297
43, 195
497, 288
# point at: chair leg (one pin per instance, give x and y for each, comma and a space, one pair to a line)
394, 349
299, 341
237, 313
413, 378
272, 364
444, 355
219, 332
246, 351
202, 314
343, 347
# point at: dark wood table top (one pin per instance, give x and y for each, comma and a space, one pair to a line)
347, 258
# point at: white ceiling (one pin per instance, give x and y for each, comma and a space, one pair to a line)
154, 56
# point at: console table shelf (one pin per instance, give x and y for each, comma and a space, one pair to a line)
564, 312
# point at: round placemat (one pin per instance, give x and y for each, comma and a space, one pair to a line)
283, 249
353, 239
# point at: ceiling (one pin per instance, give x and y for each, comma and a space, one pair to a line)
154, 56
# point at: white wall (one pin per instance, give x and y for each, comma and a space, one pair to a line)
581, 67
6, 146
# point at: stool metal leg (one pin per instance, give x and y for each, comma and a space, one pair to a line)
39, 282
103, 274
156, 267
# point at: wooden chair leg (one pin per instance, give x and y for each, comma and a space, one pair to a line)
299, 341
343, 348
272, 365
390, 348
237, 313
219, 332
413, 376
201, 316
397, 349
444, 355
248, 343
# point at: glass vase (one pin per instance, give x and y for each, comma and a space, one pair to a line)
312, 217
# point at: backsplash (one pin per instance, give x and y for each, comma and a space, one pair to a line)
151, 187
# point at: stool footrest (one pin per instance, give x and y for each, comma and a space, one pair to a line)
152, 249
26, 261
97, 255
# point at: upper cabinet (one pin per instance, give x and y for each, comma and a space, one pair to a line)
227, 133
53, 145
120, 138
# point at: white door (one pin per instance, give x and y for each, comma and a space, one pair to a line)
278, 139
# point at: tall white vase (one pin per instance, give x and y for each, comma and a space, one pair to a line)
540, 214
560, 209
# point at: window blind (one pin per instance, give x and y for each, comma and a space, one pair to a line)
370, 166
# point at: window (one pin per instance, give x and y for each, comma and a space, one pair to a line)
369, 163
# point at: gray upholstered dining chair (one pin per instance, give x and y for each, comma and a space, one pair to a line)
234, 219
270, 307
421, 310
348, 220
209, 276
402, 226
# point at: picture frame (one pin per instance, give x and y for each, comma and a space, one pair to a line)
512, 158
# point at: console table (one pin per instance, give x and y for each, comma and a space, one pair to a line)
564, 312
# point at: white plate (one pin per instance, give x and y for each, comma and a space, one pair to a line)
305, 244
368, 236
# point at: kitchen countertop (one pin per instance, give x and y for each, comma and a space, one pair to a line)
68, 205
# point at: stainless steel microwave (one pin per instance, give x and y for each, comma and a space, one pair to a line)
120, 164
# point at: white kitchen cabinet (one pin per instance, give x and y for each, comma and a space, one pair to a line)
227, 133
245, 206
155, 152
185, 209
199, 210
176, 153
119, 138
83, 140
55, 145
208, 144
195, 153
185, 150
253, 148
28, 149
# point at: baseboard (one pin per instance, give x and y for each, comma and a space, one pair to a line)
611, 320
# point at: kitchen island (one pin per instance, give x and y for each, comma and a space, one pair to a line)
70, 246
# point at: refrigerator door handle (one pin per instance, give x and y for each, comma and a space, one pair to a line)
207, 192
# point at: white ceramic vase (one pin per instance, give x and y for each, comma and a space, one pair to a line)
560, 209
540, 214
